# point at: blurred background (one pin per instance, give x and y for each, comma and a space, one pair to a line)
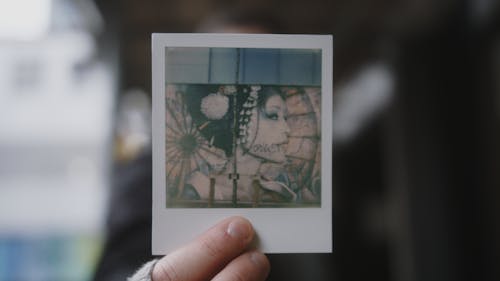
416, 119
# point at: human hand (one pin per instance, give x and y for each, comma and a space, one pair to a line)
221, 253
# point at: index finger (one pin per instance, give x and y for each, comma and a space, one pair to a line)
208, 254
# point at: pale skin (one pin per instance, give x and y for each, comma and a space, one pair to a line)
266, 143
268, 133
221, 253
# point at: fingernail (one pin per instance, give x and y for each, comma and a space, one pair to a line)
257, 258
239, 229
261, 262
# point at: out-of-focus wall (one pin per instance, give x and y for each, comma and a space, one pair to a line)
56, 104
416, 119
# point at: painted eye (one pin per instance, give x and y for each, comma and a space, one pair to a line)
273, 116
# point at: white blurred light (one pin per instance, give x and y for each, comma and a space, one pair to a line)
24, 19
358, 101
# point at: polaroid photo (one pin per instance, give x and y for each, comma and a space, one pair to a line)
242, 126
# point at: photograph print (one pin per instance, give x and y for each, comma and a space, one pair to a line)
242, 127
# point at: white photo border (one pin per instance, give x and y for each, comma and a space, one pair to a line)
279, 230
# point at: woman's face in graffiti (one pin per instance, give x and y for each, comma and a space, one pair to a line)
268, 130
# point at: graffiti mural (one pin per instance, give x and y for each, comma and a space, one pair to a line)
243, 145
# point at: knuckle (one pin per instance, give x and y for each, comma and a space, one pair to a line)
167, 272
235, 275
211, 246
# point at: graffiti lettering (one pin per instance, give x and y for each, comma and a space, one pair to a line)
266, 148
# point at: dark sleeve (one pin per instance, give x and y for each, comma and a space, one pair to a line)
128, 226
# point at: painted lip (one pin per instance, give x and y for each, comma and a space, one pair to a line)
285, 141
283, 146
